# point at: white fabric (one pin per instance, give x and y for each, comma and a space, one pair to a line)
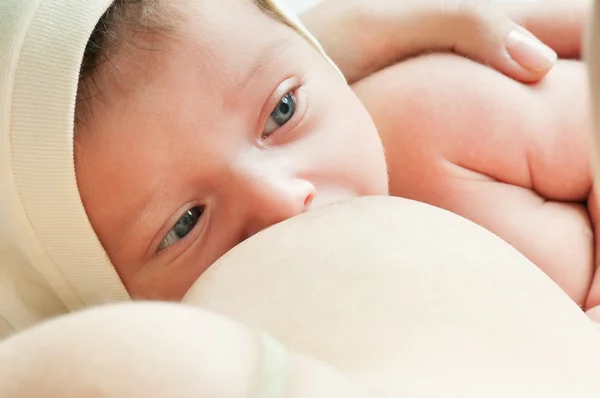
50, 259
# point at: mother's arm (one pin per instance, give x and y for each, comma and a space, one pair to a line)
364, 36
158, 350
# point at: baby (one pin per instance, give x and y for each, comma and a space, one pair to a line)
197, 136
190, 136
193, 135
190, 142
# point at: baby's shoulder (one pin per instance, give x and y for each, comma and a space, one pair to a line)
444, 102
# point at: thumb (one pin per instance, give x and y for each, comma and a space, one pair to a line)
489, 36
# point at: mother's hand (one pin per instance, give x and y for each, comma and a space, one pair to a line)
363, 36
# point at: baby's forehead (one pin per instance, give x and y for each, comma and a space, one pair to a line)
237, 9
216, 22
210, 33
242, 14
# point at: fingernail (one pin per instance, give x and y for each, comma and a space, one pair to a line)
529, 52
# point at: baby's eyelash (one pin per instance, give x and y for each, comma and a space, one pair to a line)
281, 115
184, 226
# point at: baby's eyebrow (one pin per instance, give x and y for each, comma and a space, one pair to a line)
267, 7
272, 11
263, 59
131, 220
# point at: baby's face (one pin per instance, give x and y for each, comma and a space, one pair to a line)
206, 138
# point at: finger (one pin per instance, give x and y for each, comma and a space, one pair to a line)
471, 28
558, 23
489, 36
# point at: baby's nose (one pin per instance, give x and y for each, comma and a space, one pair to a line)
273, 200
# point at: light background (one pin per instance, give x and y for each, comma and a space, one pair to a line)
301, 5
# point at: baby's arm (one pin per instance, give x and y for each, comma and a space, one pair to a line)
511, 157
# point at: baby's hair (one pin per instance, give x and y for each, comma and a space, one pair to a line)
126, 17
121, 19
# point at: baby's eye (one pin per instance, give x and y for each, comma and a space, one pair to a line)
182, 227
282, 114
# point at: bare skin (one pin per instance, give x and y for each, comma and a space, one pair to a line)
511, 157
364, 36
539, 308
493, 325
410, 299
219, 161
194, 160
158, 350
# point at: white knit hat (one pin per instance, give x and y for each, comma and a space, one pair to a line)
51, 261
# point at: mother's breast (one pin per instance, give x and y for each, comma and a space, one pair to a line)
406, 297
